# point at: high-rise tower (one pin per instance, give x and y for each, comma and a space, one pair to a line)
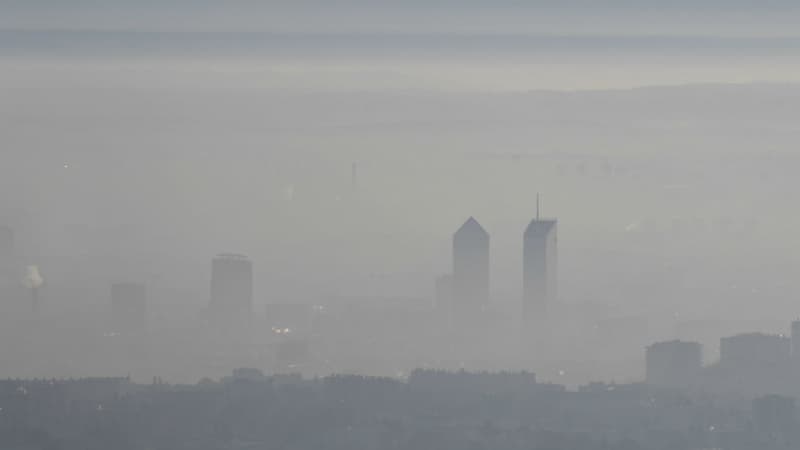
539, 267
470, 269
231, 288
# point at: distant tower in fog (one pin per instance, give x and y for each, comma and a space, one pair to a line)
539, 267
470, 269
231, 287
128, 307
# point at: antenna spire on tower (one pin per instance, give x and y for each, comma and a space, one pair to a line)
537, 206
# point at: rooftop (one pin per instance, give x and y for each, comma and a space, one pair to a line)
231, 256
471, 227
540, 227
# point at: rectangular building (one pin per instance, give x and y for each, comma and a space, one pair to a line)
673, 363
539, 269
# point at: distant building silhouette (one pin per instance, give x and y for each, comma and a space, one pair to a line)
128, 307
775, 415
673, 363
246, 374
484, 382
470, 270
231, 288
754, 350
292, 353
539, 268
796, 340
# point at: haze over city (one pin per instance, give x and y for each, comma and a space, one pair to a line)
591, 192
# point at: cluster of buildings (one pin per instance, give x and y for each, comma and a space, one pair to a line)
386, 336
430, 409
464, 294
358, 331
749, 362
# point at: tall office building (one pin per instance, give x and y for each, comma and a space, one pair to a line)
470, 292
128, 307
539, 268
231, 288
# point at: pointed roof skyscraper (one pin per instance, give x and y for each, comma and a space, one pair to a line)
471, 228
470, 272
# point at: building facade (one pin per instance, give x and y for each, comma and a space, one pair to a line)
673, 363
471, 273
231, 288
539, 269
754, 350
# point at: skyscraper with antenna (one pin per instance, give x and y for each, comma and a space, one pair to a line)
539, 267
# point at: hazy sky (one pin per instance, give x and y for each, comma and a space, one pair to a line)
136, 145
742, 17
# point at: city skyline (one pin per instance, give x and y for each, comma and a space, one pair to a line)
360, 225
